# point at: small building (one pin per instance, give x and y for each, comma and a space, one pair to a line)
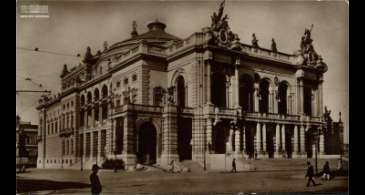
27, 132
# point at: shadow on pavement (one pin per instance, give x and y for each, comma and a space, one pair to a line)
29, 185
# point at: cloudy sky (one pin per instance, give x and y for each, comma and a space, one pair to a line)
74, 25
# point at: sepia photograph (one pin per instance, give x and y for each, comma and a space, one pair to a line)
182, 97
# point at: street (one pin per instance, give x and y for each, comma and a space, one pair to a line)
284, 176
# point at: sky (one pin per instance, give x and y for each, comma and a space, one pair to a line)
74, 25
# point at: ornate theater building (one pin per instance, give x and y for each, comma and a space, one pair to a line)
154, 97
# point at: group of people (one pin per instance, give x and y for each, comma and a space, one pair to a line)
326, 173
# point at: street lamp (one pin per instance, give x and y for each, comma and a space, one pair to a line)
317, 135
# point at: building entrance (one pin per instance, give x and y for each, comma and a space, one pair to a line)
146, 151
184, 138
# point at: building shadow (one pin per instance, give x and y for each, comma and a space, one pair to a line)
31, 185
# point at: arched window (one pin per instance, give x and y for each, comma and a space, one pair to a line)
180, 85
82, 100
246, 93
264, 96
282, 95
89, 97
96, 94
307, 101
104, 91
218, 89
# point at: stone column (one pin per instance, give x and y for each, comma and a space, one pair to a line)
228, 92
100, 114
264, 140
283, 149
255, 97
300, 96
237, 141
237, 84
98, 149
169, 143
91, 157
302, 140
85, 119
93, 115
271, 100
321, 144
295, 141
258, 138
243, 140
274, 100
277, 140
320, 98
209, 134
129, 155
84, 147
209, 94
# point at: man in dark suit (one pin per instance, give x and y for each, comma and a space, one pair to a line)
310, 174
94, 180
234, 166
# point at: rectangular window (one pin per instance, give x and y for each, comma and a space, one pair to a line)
72, 146
63, 148
95, 144
87, 142
118, 84
103, 143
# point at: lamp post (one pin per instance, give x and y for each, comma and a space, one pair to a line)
316, 135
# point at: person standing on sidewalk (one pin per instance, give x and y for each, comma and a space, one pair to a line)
310, 174
94, 180
234, 166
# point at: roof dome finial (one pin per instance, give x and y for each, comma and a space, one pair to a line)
156, 25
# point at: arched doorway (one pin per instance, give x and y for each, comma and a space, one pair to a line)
246, 93
309, 142
184, 136
220, 137
146, 151
219, 89
264, 96
307, 101
180, 85
282, 105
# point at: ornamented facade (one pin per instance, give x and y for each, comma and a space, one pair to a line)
155, 97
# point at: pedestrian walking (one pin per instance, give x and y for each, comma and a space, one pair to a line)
326, 171
234, 166
94, 180
310, 174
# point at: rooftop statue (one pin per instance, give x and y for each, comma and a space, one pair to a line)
255, 42
220, 31
217, 21
273, 45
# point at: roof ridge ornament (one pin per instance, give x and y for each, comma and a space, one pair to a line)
134, 32
219, 29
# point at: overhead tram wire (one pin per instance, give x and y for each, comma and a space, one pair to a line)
49, 52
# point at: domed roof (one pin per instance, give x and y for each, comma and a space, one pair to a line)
156, 32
